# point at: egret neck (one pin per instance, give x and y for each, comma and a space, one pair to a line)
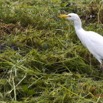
77, 24
79, 30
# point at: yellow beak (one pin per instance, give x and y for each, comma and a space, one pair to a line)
63, 16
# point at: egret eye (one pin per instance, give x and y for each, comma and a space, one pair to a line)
69, 16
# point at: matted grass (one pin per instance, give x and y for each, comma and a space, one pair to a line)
41, 58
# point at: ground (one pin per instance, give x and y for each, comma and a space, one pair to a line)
41, 58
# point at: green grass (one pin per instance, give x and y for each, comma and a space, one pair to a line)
41, 58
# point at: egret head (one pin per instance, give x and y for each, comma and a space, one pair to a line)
71, 16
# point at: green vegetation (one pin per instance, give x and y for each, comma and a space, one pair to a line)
41, 58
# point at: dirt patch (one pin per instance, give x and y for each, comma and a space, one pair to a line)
10, 28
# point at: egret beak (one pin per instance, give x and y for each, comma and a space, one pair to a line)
63, 16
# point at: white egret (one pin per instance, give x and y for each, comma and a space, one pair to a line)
91, 40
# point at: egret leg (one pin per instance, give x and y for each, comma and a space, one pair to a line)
101, 66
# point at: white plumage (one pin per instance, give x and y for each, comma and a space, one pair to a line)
91, 40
